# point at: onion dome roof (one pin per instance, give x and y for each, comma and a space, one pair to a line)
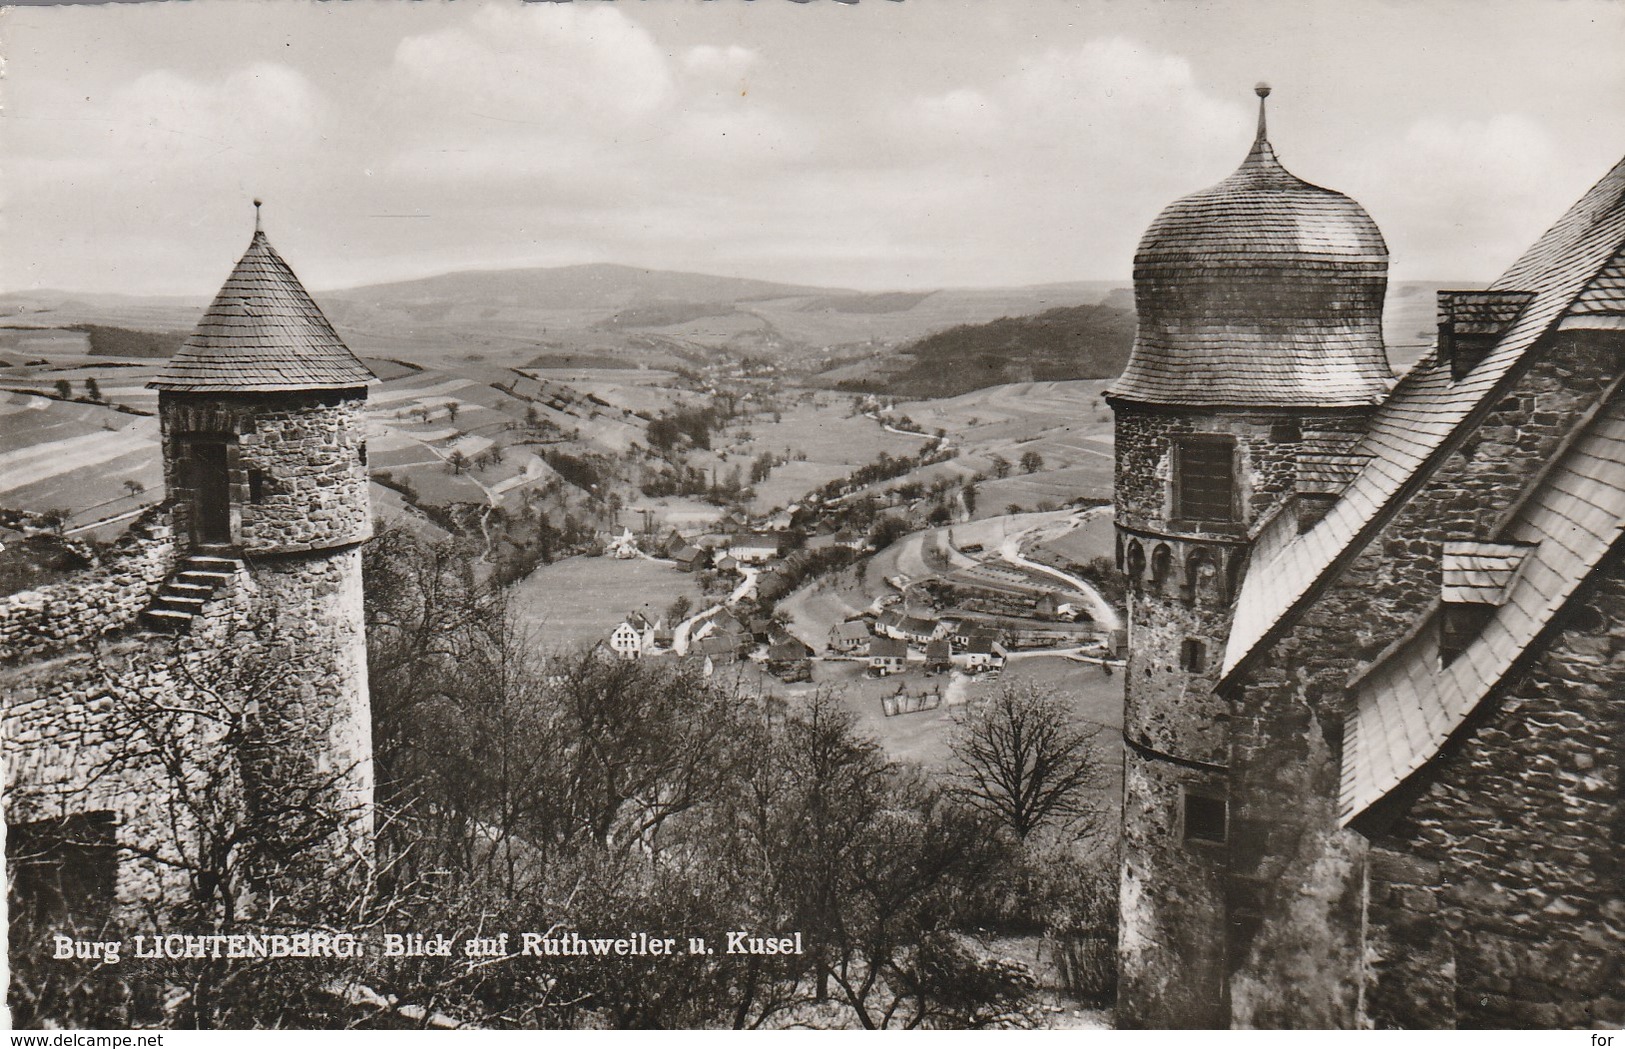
1261, 290
263, 332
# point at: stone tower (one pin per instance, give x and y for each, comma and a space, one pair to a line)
265, 465
1257, 361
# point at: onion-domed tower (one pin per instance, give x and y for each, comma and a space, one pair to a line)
1256, 364
265, 465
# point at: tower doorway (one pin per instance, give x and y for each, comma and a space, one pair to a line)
211, 492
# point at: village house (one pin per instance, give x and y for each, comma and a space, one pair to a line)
887, 655
790, 658
726, 626
969, 631
983, 653
719, 650
847, 539
755, 549
636, 635
916, 629
850, 636
939, 656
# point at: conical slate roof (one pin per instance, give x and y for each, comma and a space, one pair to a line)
1263, 290
263, 332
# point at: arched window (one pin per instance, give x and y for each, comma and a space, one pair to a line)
1134, 565
1161, 557
1200, 574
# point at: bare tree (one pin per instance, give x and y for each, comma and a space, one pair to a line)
1026, 759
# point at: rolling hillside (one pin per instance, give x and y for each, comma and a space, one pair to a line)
1071, 342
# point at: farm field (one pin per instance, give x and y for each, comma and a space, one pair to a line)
65, 455
924, 737
1096, 537
577, 601
823, 429
1062, 422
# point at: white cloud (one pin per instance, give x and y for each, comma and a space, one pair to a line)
552, 65
1462, 197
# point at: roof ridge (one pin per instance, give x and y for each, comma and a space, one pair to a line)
1557, 267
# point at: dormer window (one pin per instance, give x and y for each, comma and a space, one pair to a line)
1477, 577
1205, 479
1472, 322
1322, 478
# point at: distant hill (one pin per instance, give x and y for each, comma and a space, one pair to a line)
1069, 342
589, 287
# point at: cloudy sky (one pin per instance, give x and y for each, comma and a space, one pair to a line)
878, 145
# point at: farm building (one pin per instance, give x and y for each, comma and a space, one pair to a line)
1372, 718
755, 549
901, 625
850, 636
939, 655
689, 559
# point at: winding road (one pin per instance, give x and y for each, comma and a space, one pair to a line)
1010, 550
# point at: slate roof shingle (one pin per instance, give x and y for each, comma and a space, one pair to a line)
1407, 706
1479, 573
1261, 290
1416, 423
263, 332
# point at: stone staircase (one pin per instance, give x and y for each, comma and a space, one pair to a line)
184, 593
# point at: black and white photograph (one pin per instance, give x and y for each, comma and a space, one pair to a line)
1088, 515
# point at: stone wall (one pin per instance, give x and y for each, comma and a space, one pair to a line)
304, 615
1297, 882
1176, 727
297, 464
283, 646
106, 597
1495, 877
1267, 446
1171, 970
72, 747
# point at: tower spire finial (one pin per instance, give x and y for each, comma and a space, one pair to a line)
257, 227
1262, 90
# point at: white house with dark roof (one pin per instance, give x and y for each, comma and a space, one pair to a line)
850, 636
754, 549
887, 655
